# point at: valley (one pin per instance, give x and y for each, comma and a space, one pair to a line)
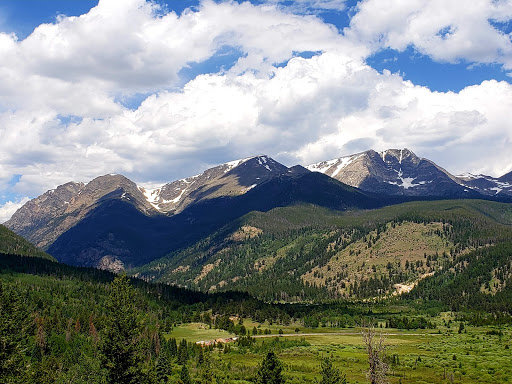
298, 265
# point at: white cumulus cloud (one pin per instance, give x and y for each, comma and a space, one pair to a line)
8, 209
444, 30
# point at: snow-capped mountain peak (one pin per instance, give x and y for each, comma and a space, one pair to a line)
228, 179
393, 172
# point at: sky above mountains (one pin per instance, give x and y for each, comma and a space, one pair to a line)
163, 90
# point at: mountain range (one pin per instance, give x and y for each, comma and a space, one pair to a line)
114, 224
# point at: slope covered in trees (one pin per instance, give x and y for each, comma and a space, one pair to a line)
17, 245
308, 253
480, 280
65, 324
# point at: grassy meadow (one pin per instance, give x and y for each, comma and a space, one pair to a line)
441, 355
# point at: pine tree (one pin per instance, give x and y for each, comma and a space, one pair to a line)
331, 375
185, 376
206, 370
270, 370
121, 353
163, 367
13, 325
173, 347
200, 356
183, 352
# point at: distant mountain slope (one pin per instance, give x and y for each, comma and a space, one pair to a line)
305, 252
11, 243
394, 172
507, 178
43, 219
487, 185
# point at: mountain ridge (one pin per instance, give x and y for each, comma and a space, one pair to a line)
226, 179
114, 224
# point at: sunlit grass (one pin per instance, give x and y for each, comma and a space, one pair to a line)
425, 356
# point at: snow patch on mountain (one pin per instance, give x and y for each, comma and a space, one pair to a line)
235, 163
503, 184
152, 195
345, 161
175, 200
340, 164
323, 166
469, 176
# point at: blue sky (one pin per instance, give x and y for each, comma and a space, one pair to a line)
162, 90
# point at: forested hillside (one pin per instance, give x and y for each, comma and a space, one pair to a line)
307, 253
480, 280
17, 245
60, 323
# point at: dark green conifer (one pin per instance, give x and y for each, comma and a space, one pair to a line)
185, 376
206, 370
200, 356
13, 325
173, 347
121, 348
270, 370
331, 375
183, 352
163, 366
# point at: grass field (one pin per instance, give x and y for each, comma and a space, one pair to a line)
477, 355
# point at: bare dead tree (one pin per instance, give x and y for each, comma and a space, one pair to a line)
375, 349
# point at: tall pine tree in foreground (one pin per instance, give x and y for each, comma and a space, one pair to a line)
331, 375
270, 370
13, 326
121, 349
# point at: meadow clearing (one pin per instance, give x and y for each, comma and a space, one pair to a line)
441, 355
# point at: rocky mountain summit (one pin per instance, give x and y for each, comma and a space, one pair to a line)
399, 172
43, 219
229, 179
